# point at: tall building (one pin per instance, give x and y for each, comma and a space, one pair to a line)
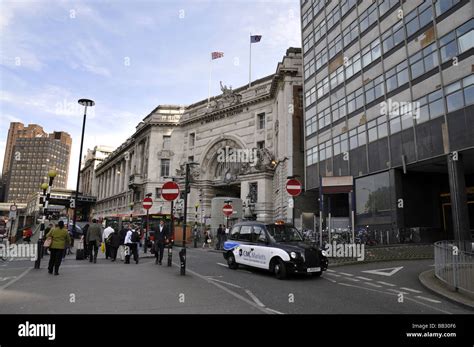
261, 123
389, 115
92, 159
32, 153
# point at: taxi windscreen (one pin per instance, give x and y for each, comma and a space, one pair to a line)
283, 233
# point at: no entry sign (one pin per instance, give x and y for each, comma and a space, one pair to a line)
170, 191
293, 187
147, 203
227, 209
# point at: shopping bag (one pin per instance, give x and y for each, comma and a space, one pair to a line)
102, 247
48, 242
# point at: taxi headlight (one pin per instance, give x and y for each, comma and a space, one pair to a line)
293, 255
324, 253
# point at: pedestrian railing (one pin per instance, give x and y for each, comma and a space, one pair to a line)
454, 266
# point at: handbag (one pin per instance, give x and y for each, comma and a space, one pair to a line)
48, 242
102, 247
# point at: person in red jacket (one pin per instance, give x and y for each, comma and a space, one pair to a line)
27, 233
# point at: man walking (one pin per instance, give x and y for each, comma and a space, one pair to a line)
107, 232
114, 242
94, 238
122, 246
161, 236
220, 236
131, 242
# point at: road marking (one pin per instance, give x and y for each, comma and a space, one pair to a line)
335, 275
384, 272
373, 285
329, 270
274, 311
412, 290
398, 291
328, 279
352, 279
6, 278
364, 278
224, 265
16, 279
346, 274
428, 299
229, 284
387, 284
254, 298
407, 298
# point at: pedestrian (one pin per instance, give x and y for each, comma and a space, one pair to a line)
220, 236
27, 233
114, 244
60, 239
207, 239
122, 246
131, 242
94, 238
107, 232
161, 237
84, 238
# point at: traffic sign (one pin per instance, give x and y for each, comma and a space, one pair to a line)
293, 187
170, 191
13, 207
227, 209
147, 203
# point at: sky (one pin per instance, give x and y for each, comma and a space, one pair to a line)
129, 56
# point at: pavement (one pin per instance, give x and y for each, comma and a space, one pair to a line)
211, 287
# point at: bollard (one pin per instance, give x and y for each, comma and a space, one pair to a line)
170, 255
182, 258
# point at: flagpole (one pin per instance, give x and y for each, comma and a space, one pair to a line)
210, 76
250, 60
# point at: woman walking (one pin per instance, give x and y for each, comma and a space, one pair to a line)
60, 240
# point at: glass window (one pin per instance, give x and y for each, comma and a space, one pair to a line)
234, 233
245, 233
166, 142
165, 167
436, 108
395, 126
454, 101
261, 120
469, 94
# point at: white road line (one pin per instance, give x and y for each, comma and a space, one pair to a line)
254, 298
335, 275
229, 284
411, 290
329, 270
387, 284
6, 278
328, 279
352, 279
16, 279
224, 265
398, 291
373, 285
346, 274
428, 299
274, 311
364, 278
407, 298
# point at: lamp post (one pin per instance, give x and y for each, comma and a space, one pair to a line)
147, 224
86, 103
182, 253
46, 187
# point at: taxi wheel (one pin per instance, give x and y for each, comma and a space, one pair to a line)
279, 269
231, 262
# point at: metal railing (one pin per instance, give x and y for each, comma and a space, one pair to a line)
454, 266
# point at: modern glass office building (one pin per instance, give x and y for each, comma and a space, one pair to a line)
389, 105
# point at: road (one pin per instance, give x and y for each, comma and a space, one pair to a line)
210, 287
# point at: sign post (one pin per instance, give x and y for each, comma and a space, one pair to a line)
147, 204
169, 192
227, 210
294, 188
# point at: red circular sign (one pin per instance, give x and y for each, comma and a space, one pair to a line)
147, 203
293, 187
170, 191
227, 209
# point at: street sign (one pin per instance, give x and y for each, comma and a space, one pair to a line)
227, 209
13, 207
12, 214
293, 187
170, 191
147, 203
291, 203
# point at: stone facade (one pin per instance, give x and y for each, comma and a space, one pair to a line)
245, 141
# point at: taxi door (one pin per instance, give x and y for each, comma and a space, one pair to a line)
260, 252
242, 252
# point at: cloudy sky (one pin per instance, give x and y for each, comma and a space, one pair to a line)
128, 56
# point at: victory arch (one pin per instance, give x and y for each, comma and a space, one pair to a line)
251, 181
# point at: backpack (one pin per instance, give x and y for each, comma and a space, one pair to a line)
135, 236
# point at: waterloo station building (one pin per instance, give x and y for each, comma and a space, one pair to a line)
397, 169
265, 118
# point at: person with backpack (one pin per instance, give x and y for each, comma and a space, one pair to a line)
131, 240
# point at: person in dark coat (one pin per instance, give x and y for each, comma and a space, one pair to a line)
85, 230
114, 244
122, 235
161, 238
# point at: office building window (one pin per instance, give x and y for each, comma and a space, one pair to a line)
324, 118
310, 96
165, 168
393, 36
423, 61
261, 121
309, 68
374, 89
312, 156
340, 144
192, 139
308, 42
396, 76
166, 142
368, 18
157, 193
350, 33
371, 52
442, 6
430, 106
418, 18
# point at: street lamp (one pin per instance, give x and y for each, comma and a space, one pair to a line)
46, 187
86, 103
182, 253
